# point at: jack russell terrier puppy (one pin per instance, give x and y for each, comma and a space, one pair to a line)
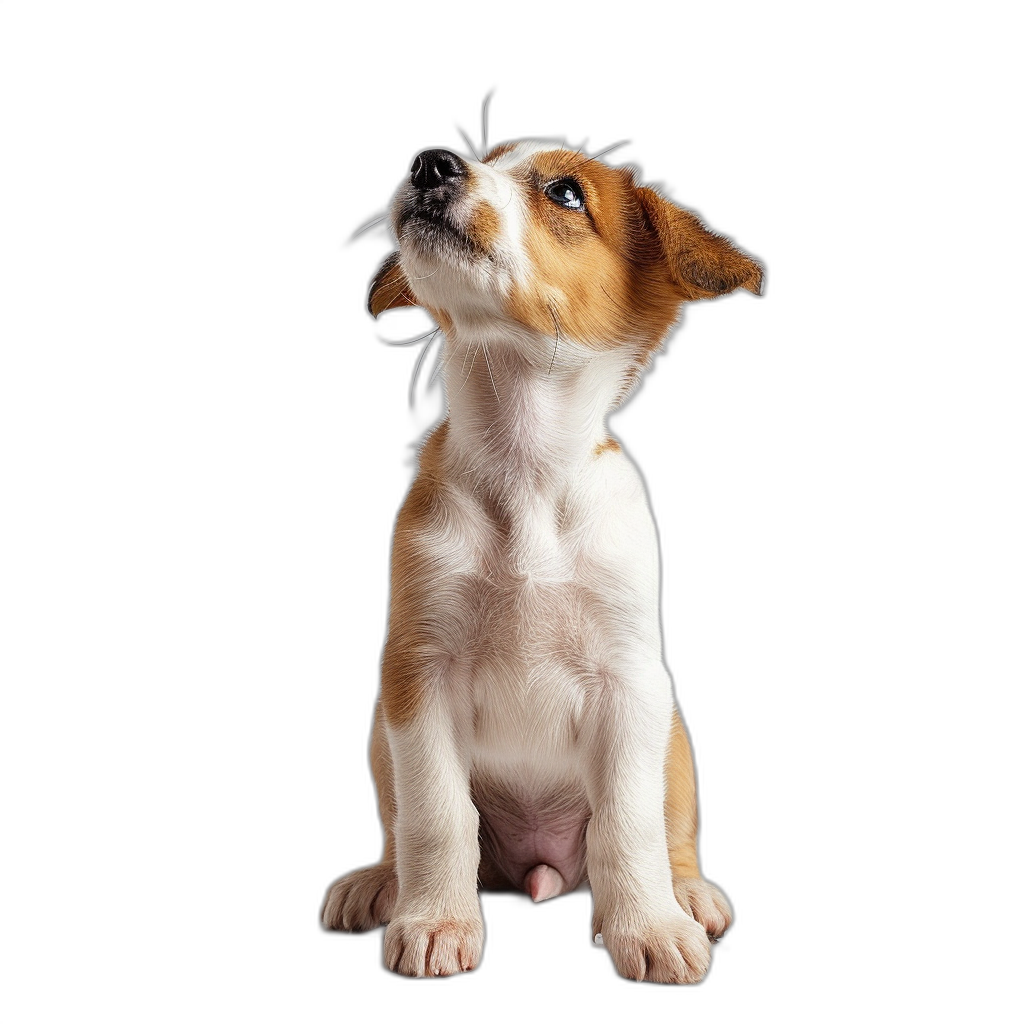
526, 735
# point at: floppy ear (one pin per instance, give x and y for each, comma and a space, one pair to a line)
700, 263
389, 288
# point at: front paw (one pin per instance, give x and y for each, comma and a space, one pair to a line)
430, 948
361, 900
675, 950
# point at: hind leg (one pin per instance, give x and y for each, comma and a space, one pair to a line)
700, 899
365, 898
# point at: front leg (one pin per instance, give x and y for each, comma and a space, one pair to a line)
436, 927
642, 925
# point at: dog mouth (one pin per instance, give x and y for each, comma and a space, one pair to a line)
433, 231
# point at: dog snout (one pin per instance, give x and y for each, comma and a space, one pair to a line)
434, 167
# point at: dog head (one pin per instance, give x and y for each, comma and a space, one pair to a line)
541, 237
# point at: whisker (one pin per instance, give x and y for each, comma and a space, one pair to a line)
424, 277
367, 226
489, 374
469, 143
410, 341
438, 366
615, 302
476, 349
466, 356
445, 361
419, 366
600, 153
483, 120
558, 334
610, 149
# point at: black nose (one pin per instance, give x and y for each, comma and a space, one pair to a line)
434, 167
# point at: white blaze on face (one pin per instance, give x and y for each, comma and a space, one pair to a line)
512, 264
470, 278
502, 194
515, 210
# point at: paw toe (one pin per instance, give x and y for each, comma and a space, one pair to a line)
432, 948
675, 953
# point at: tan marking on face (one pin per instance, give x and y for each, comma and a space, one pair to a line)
485, 223
597, 274
499, 151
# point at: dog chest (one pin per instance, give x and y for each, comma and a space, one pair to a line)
543, 573
541, 653
520, 611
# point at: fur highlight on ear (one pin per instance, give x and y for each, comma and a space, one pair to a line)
701, 264
389, 288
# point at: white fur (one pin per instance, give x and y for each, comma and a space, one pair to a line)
539, 538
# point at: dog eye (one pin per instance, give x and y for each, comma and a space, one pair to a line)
566, 193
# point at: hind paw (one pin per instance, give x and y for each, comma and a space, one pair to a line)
361, 900
704, 903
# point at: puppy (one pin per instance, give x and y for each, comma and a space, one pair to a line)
526, 734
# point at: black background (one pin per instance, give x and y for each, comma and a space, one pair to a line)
723, 430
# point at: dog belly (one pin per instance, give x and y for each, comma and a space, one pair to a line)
524, 827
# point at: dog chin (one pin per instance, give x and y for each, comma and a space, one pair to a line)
447, 275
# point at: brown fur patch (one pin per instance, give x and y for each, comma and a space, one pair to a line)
484, 226
616, 271
409, 633
499, 151
609, 444
681, 803
580, 285
701, 263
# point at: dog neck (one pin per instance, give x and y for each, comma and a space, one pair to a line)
525, 411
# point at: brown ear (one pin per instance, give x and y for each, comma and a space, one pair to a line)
700, 263
390, 288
